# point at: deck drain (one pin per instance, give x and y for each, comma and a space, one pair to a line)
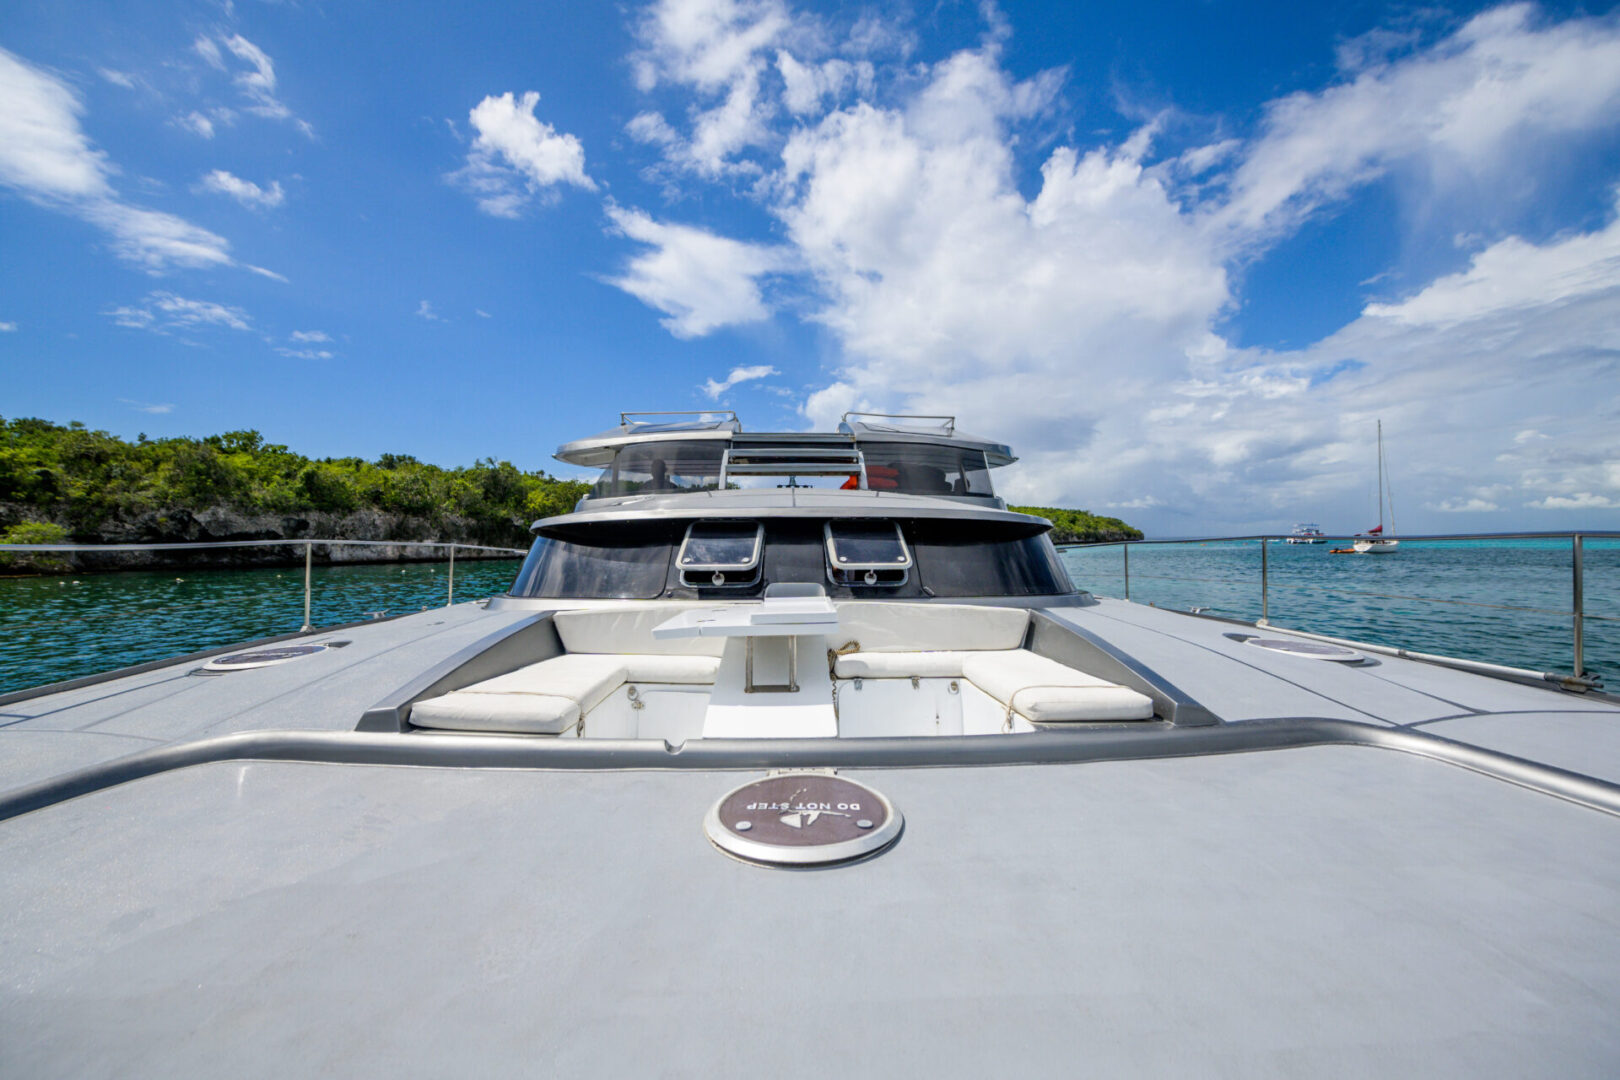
269, 657
802, 819
1309, 650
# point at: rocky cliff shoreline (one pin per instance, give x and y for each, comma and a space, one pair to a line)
230, 524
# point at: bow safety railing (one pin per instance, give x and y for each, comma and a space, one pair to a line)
1576, 612
309, 547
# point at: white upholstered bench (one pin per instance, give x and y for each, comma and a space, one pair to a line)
549, 697
609, 647
1035, 687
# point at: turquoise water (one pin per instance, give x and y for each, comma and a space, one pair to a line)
1390, 599
58, 628
54, 628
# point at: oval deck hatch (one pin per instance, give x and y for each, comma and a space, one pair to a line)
1310, 650
802, 819
266, 657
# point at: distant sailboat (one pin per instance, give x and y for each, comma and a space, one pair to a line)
1380, 545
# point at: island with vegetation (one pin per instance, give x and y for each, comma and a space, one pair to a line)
69, 484
1080, 526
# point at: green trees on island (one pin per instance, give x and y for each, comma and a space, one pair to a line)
1079, 526
97, 487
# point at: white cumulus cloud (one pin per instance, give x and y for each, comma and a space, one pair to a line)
701, 281
253, 74
1514, 274
246, 192
1584, 500
706, 43
165, 311
155, 409
714, 388
515, 157
196, 123
720, 51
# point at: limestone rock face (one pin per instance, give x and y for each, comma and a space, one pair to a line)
179, 525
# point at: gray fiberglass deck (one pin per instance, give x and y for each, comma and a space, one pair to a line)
1292, 913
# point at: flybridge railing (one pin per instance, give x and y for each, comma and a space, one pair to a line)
1576, 612
309, 547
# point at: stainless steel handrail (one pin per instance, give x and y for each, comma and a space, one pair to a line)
1577, 613
624, 417
309, 555
1599, 534
198, 544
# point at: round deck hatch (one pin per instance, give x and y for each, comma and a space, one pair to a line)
802, 819
1310, 650
267, 657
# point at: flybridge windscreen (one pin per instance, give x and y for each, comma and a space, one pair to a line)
925, 468
912, 468
661, 466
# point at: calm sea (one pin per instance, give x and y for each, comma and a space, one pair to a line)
1460, 599
1480, 599
54, 628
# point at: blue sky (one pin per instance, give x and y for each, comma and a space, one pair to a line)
1181, 256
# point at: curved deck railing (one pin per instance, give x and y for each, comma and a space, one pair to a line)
1576, 612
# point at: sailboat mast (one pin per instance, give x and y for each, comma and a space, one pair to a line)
1380, 478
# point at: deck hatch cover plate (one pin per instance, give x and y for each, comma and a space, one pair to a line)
1309, 650
802, 819
267, 657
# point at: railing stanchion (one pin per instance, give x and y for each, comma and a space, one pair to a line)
1126, 548
1578, 610
450, 596
309, 558
1265, 585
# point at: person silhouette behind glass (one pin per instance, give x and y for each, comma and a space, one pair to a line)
660, 477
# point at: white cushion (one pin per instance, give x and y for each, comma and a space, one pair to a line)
1045, 691
1060, 705
900, 665
545, 698
652, 668
629, 630
540, 714
926, 627
584, 679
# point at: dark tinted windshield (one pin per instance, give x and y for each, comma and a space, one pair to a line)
948, 559
625, 569
977, 567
